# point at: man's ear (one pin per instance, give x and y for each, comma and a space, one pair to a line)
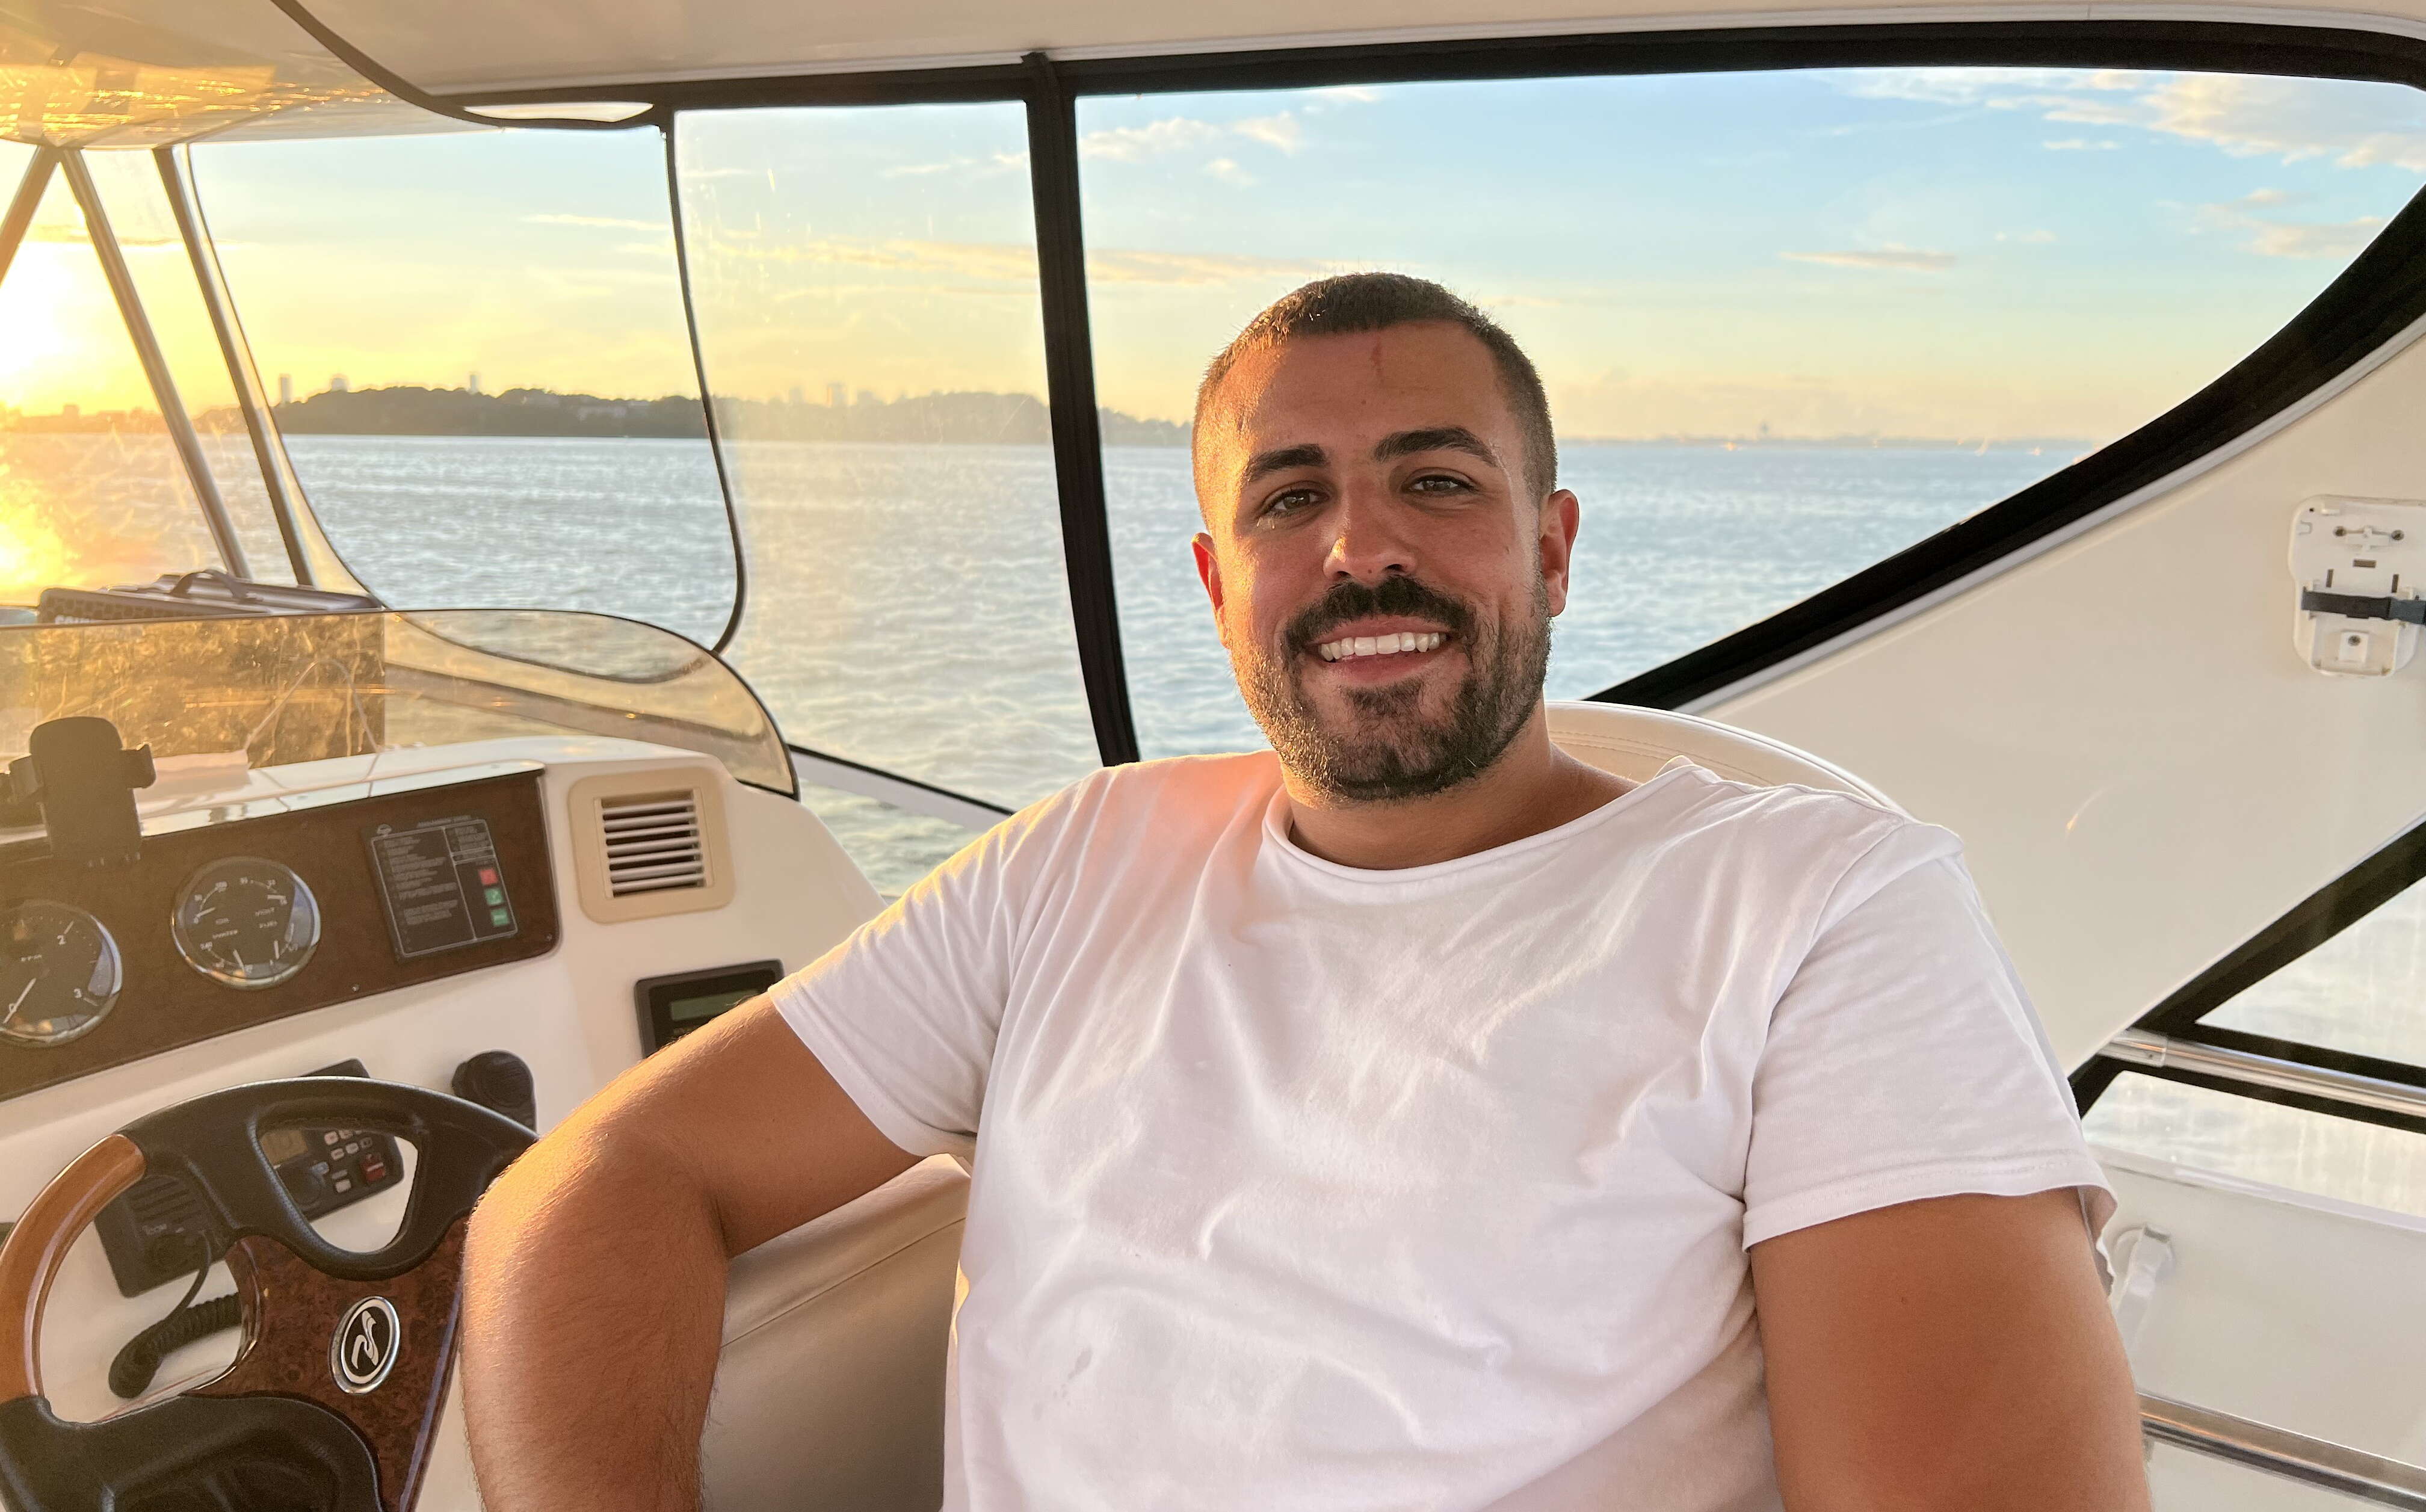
1559, 518
1208, 571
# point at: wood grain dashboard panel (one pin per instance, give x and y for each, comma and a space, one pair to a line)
166, 1003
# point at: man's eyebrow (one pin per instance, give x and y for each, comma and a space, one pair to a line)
1435, 439
1305, 453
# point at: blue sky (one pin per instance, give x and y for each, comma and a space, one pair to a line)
1959, 252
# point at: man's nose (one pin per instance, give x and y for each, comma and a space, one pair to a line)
1369, 541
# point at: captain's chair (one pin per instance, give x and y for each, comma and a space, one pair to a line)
829, 1390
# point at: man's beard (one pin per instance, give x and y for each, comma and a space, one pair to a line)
1394, 749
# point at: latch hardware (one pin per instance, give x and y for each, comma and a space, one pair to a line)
2360, 567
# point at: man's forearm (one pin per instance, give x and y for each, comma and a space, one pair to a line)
593, 1300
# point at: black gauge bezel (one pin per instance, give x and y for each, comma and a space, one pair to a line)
110, 955
191, 953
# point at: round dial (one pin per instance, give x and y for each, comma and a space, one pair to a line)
59, 973
246, 921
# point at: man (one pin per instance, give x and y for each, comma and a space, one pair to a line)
1409, 1117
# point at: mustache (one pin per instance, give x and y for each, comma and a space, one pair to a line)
1352, 600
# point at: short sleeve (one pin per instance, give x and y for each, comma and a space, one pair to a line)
904, 1013
1904, 1060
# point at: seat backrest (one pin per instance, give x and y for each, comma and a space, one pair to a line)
830, 1387
1635, 743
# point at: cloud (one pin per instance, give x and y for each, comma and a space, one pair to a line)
1963, 86
2292, 119
1895, 259
1200, 269
600, 222
1228, 172
1179, 133
1135, 144
1015, 261
2037, 236
2355, 125
2339, 240
1281, 131
991, 163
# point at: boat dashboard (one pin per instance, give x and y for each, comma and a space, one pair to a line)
515, 918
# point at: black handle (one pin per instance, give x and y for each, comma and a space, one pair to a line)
213, 1143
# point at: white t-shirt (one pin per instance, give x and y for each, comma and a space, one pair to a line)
1297, 1186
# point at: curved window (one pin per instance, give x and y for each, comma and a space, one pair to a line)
865, 281
1790, 322
476, 349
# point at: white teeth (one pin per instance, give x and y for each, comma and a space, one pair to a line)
1393, 645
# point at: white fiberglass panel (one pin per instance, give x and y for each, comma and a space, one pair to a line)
1790, 322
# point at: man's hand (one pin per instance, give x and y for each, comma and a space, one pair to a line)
593, 1287
1945, 1354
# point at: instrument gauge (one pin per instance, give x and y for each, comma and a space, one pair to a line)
60, 973
246, 921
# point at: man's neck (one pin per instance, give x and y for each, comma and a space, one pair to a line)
1533, 786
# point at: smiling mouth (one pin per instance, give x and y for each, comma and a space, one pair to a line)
1350, 647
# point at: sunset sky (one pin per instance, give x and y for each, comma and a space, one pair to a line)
1949, 253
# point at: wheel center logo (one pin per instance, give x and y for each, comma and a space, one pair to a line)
366, 1345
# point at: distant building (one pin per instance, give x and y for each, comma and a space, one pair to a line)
834, 396
337, 384
796, 393
866, 397
286, 387
471, 383
68, 412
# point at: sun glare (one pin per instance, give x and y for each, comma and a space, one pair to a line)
64, 344
33, 555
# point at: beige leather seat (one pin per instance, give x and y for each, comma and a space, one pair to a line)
1635, 743
829, 1392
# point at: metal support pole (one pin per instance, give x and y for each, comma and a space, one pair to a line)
2296, 1457
241, 376
2145, 1046
156, 367
22, 207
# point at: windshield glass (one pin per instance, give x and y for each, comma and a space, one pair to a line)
216, 699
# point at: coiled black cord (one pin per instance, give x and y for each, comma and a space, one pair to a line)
131, 1373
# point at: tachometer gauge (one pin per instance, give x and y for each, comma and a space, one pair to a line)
246, 921
59, 973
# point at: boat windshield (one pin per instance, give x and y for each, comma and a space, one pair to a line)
217, 699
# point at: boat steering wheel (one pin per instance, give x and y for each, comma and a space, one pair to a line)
333, 1401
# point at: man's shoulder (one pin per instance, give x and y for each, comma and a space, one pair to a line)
1173, 792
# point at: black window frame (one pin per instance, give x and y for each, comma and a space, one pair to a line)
2377, 297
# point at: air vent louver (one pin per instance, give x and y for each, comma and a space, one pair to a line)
653, 843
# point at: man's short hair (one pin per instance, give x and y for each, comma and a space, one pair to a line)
1352, 303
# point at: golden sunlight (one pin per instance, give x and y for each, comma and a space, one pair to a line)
65, 344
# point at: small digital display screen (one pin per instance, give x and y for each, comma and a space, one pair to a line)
442, 883
673, 1006
282, 1145
699, 1010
